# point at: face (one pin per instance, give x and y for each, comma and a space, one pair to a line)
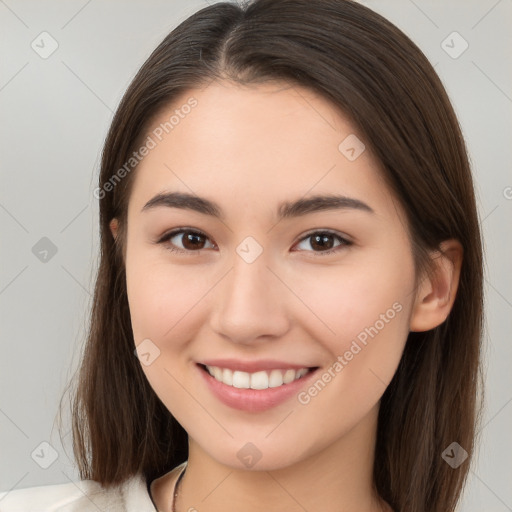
326, 287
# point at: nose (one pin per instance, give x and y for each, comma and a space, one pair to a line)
250, 303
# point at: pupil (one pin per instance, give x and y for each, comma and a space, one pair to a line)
323, 244
190, 238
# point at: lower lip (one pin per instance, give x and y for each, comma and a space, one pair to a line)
253, 400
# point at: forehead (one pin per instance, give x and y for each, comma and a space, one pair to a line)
253, 146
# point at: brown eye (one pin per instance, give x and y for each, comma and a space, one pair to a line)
323, 242
193, 241
190, 241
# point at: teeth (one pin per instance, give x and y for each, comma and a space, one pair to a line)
257, 380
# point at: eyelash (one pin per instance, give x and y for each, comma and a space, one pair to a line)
170, 247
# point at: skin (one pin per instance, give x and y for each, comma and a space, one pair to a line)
248, 149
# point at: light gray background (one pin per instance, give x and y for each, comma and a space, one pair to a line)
55, 113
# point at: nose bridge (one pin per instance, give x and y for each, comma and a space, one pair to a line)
248, 302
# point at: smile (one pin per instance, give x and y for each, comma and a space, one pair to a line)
254, 392
257, 380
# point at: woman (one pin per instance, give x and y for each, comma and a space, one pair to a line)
288, 308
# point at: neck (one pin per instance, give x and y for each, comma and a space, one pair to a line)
338, 478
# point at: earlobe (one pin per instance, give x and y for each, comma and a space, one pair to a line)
436, 294
113, 227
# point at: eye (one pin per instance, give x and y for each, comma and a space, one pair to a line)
194, 241
323, 240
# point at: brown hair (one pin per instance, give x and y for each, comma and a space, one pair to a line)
384, 84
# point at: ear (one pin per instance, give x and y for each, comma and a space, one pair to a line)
113, 227
436, 294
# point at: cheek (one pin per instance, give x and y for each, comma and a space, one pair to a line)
370, 354
163, 301
160, 297
364, 310
337, 304
346, 301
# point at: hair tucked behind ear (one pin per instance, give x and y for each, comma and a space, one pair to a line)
378, 78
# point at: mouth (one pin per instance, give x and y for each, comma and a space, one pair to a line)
257, 391
259, 380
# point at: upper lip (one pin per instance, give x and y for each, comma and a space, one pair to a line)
253, 366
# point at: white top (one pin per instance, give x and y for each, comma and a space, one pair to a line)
86, 496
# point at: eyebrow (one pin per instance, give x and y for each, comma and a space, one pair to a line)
286, 210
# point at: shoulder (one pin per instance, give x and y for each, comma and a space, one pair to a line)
47, 497
81, 496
